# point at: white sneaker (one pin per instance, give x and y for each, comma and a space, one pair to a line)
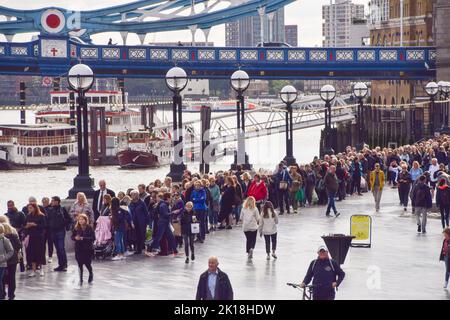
49, 260
445, 284
123, 258
116, 258
41, 272
32, 274
268, 257
128, 253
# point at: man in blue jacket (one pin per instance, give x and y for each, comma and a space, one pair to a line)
140, 217
283, 182
326, 276
198, 198
163, 226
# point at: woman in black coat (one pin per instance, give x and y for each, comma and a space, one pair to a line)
186, 220
227, 203
35, 225
84, 237
443, 201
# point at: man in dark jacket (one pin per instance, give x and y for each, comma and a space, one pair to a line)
58, 221
16, 218
422, 202
140, 216
332, 186
97, 203
214, 284
326, 276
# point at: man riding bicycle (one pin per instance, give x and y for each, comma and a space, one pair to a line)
326, 276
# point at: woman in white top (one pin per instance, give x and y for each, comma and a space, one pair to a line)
250, 220
434, 167
268, 228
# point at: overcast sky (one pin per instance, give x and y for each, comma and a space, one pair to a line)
307, 14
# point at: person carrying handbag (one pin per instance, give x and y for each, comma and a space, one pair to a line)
284, 182
187, 220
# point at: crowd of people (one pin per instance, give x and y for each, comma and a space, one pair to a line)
161, 217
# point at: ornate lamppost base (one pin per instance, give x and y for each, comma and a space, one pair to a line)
245, 166
82, 184
176, 171
290, 161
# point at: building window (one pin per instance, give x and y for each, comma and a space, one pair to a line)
55, 151
29, 152
46, 152
36, 152
63, 150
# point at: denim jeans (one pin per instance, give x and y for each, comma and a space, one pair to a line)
118, 242
213, 217
58, 238
447, 270
237, 212
201, 216
164, 229
331, 204
268, 239
283, 200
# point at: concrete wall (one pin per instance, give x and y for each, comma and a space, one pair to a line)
442, 39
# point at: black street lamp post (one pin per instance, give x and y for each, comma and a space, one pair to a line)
240, 82
444, 90
176, 81
360, 91
327, 94
80, 79
432, 90
288, 95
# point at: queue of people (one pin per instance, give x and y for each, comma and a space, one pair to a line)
161, 217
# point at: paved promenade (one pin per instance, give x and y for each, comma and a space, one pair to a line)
400, 265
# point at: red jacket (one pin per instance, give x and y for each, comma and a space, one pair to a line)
259, 192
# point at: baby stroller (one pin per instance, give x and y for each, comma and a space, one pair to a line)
104, 244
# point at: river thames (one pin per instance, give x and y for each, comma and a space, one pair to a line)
264, 152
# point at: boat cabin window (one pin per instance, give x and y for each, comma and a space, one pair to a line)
37, 152
95, 100
63, 150
63, 100
29, 152
55, 100
55, 151
116, 121
46, 152
104, 99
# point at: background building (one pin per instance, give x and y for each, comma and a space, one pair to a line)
246, 32
385, 31
291, 35
442, 38
338, 18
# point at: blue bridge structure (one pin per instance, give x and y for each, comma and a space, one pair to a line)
53, 56
64, 40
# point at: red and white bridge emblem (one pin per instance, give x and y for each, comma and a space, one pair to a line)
53, 21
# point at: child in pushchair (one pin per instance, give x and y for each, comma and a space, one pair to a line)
104, 244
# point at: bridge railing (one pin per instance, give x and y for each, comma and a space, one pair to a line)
247, 55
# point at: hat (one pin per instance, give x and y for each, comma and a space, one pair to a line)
322, 248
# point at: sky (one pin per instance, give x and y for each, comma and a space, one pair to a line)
307, 14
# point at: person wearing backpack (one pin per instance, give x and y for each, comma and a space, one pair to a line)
443, 201
422, 202
58, 221
6, 252
326, 276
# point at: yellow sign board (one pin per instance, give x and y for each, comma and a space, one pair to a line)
360, 227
